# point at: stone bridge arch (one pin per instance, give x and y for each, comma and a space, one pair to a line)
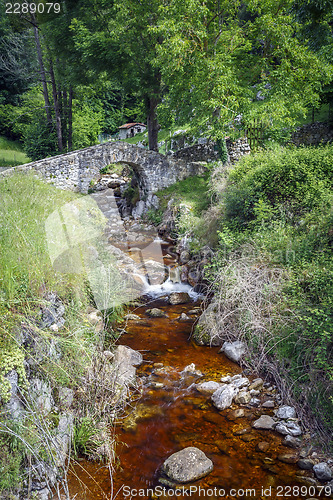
76, 170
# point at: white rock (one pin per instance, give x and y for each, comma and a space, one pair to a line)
234, 350
222, 398
207, 387
264, 422
286, 412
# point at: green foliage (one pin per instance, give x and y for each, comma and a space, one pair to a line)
25, 266
278, 215
12, 359
11, 153
87, 124
279, 185
40, 140
154, 216
84, 437
11, 458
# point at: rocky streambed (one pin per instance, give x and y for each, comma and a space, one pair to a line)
200, 426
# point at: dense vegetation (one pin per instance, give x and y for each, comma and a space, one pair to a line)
68, 76
271, 226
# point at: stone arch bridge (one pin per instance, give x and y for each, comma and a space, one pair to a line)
75, 170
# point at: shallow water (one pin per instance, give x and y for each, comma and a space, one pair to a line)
171, 415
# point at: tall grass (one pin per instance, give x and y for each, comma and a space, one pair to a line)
11, 153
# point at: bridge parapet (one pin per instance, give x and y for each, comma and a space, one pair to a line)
75, 170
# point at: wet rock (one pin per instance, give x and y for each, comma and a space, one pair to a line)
196, 310
255, 402
247, 438
263, 446
132, 317
292, 442
256, 384
285, 412
223, 447
305, 464
207, 387
155, 313
288, 428
184, 257
264, 422
234, 414
268, 404
141, 412
187, 465
281, 428
241, 432
253, 392
323, 472
239, 381
184, 317
179, 298
190, 370
226, 380
222, 398
288, 458
234, 350
243, 397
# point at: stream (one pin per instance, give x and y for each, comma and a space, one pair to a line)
171, 415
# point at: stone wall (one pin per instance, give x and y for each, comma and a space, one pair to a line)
237, 149
207, 152
76, 170
313, 134
198, 152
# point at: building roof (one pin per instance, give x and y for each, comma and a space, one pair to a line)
129, 125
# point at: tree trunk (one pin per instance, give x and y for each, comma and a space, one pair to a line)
56, 108
152, 123
70, 119
42, 70
64, 111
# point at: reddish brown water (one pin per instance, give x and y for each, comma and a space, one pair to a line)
174, 416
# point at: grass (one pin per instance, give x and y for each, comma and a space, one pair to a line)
11, 153
192, 192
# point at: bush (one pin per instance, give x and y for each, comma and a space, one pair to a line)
288, 183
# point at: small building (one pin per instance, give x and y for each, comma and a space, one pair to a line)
131, 129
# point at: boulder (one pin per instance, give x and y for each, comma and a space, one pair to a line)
243, 398
323, 472
288, 458
187, 465
263, 446
234, 350
265, 422
207, 387
179, 298
190, 370
155, 313
292, 442
125, 360
305, 464
285, 412
222, 397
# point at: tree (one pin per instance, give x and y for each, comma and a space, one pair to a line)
226, 58
116, 37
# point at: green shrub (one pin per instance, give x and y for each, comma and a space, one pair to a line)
289, 183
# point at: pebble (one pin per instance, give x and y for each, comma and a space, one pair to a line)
268, 404
263, 446
264, 422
